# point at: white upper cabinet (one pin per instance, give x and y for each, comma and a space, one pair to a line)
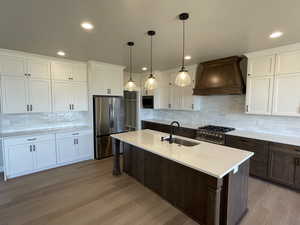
61, 96
287, 95
274, 91
79, 97
61, 70
69, 71
105, 79
259, 95
261, 66
288, 62
38, 68
14, 94
79, 72
13, 65
69, 96
39, 95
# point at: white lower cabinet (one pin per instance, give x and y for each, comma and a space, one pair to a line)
45, 154
73, 146
19, 159
25, 155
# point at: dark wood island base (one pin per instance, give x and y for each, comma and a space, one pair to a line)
206, 199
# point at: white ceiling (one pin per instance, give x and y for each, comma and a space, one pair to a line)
217, 28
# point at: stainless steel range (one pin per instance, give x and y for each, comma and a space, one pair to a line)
213, 134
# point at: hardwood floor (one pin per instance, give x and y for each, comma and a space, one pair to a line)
87, 194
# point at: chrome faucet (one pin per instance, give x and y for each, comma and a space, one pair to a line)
172, 130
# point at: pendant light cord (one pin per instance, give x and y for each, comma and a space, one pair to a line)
130, 63
183, 46
150, 55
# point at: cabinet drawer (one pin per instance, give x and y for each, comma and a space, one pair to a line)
292, 149
260, 148
73, 133
27, 139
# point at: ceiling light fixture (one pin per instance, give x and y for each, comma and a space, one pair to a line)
151, 82
130, 85
61, 53
144, 68
183, 78
276, 34
187, 57
87, 26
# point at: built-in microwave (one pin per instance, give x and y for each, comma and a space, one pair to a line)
148, 102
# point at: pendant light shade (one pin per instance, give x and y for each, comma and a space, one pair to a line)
130, 85
183, 78
151, 82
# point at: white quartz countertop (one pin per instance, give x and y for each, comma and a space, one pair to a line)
43, 131
214, 160
290, 140
260, 135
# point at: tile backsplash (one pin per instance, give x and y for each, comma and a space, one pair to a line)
34, 121
228, 110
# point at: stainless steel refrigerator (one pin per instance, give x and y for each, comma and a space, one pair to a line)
108, 119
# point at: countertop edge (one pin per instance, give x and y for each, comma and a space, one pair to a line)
186, 164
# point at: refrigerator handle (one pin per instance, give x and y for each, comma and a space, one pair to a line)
111, 116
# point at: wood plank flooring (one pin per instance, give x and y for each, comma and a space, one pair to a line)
87, 194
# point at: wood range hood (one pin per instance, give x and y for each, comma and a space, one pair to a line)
220, 77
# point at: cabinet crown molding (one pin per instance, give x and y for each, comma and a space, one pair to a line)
107, 65
272, 51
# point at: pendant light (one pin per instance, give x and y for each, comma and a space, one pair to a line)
183, 78
130, 85
151, 82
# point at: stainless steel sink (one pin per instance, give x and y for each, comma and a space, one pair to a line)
182, 142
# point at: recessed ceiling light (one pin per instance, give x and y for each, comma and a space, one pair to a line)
144, 68
276, 34
187, 57
87, 26
61, 53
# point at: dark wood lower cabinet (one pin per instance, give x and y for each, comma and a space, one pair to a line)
259, 162
275, 162
204, 198
284, 163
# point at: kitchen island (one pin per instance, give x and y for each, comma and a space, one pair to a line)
208, 182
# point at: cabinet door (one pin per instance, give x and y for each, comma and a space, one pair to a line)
45, 154
288, 62
12, 66
61, 71
261, 66
259, 95
162, 98
39, 95
281, 166
61, 96
14, 94
287, 95
38, 68
85, 145
176, 97
79, 72
66, 150
20, 159
297, 172
107, 81
79, 96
